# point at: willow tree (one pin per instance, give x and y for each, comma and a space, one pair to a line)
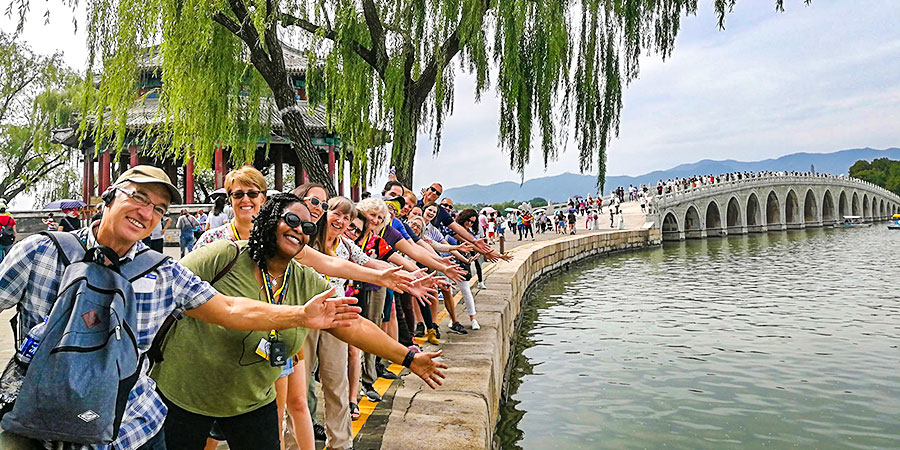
560, 66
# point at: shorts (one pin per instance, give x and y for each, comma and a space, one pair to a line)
288, 368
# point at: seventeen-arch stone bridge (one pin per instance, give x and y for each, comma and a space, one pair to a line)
769, 203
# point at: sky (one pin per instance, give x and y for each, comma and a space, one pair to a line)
816, 78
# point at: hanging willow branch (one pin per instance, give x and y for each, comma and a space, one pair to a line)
387, 67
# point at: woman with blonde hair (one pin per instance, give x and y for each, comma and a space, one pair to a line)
246, 189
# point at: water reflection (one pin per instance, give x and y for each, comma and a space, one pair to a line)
771, 339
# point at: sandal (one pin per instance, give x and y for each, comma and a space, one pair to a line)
354, 411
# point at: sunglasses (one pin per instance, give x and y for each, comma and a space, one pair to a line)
433, 189
293, 220
237, 195
354, 229
314, 201
446, 206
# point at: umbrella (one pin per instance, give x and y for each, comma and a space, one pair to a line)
65, 204
510, 209
488, 210
219, 191
572, 210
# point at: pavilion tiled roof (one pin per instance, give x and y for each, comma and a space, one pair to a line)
145, 113
295, 60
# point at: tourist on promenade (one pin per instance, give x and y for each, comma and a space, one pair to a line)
218, 216
69, 221
246, 188
156, 241
30, 278
186, 225
228, 379
527, 224
7, 230
50, 222
572, 220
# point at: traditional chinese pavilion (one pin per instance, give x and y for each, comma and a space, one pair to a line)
100, 166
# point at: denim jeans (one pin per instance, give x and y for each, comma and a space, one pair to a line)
187, 243
4, 249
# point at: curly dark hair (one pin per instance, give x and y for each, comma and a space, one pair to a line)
262, 237
465, 215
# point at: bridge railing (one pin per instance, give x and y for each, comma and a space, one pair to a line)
660, 202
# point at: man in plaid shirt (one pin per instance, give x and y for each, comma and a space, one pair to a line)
31, 273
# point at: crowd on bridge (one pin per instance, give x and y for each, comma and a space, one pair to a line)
273, 292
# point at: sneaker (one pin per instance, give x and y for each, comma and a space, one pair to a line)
431, 337
319, 431
481, 285
371, 393
384, 373
437, 331
457, 328
420, 329
475, 325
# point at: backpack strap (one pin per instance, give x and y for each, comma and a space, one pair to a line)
144, 262
155, 352
67, 245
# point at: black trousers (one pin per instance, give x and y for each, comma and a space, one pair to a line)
255, 430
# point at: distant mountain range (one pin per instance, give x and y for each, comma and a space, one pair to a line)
561, 187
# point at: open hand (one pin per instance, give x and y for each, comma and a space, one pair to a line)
396, 279
428, 369
323, 312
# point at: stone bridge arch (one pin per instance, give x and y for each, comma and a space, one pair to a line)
733, 220
810, 209
792, 217
693, 228
671, 231
827, 208
843, 206
713, 222
881, 211
773, 212
854, 205
867, 209
754, 215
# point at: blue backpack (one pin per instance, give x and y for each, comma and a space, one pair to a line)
78, 381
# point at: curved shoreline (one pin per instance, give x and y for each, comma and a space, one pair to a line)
464, 412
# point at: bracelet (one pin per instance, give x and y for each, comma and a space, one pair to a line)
408, 360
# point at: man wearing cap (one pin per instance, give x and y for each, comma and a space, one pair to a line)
7, 230
30, 277
444, 219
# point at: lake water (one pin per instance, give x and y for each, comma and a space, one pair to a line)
774, 340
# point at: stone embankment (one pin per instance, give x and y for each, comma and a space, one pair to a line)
462, 414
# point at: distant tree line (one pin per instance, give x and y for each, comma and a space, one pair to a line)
536, 202
882, 171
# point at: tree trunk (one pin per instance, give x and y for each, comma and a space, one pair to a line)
403, 152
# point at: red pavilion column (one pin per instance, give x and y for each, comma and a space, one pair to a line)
278, 159
104, 171
87, 185
189, 181
134, 153
331, 164
219, 167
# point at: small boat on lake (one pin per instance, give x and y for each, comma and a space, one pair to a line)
895, 225
854, 221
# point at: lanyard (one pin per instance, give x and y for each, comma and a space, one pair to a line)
237, 236
276, 297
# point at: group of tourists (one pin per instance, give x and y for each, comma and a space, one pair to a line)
276, 291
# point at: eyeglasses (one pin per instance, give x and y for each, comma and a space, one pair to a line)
434, 189
237, 195
293, 220
354, 229
141, 199
314, 201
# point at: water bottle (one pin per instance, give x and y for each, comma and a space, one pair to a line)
32, 341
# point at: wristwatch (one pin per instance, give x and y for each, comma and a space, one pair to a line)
408, 360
